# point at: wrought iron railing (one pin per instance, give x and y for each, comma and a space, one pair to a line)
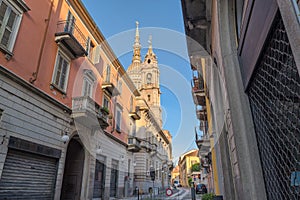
69, 27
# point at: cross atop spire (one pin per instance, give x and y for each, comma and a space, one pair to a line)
150, 41
137, 36
136, 59
150, 53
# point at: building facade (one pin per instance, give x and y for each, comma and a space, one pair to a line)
185, 164
247, 54
69, 113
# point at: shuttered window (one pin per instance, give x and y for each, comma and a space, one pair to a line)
61, 72
87, 88
118, 119
9, 23
88, 83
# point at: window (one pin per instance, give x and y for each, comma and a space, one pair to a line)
133, 128
70, 23
99, 179
88, 83
129, 164
149, 78
61, 72
114, 178
149, 97
105, 102
10, 18
87, 87
118, 119
89, 49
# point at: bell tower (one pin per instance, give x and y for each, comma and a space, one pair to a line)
150, 82
145, 75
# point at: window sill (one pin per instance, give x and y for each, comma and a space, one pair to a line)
118, 131
53, 86
8, 54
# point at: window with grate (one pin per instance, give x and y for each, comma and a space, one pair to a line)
274, 95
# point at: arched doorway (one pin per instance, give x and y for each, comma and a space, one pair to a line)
72, 180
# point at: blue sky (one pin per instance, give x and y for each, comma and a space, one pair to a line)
163, 20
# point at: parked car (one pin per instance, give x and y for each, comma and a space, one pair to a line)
201, 189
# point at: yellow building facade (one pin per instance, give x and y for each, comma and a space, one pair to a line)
185, 164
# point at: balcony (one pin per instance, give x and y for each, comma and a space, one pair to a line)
198, 91
141, 103
108, 85
203, 126
146, 145
202, 114
135, 114
203, 144
205, 163
86, 111
134, 144
154, 148
69, 37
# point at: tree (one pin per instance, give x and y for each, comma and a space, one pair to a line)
195, 167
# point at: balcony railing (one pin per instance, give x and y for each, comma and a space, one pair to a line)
198, 91
202, 114
154, 148
69, 37
146, 145
134, 144
203, 143
86, 111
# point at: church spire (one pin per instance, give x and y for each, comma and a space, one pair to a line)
150, 56
137, 45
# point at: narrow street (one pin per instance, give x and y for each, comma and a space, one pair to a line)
145, 100
178, 194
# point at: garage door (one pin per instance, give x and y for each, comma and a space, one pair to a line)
28, 176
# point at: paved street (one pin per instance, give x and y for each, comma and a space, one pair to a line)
180, 194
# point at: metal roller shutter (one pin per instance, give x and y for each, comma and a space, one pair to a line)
28, 176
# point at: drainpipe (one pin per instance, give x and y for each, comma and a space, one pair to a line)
35, 74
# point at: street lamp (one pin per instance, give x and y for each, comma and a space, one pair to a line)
65, 135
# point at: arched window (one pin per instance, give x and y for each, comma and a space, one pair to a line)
149, 78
